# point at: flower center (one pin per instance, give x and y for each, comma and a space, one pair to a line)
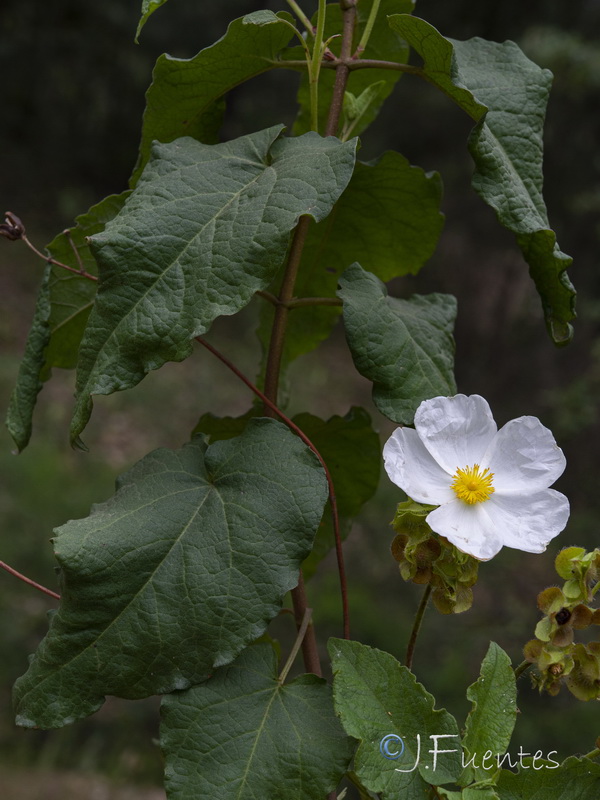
471, 485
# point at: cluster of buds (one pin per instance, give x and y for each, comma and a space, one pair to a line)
555, 653
426, 558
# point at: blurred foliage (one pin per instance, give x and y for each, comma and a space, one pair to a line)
73, 96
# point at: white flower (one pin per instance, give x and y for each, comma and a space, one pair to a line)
491, 485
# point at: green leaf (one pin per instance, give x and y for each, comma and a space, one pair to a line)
574, 779
352, 451
355, 108
384, 45
63, 305
72, 296
177, 573
206, 227
388, 219
148, 8
479, 793
506, 94
253, 737
470, 793
350, 448
493, 714
404, 346
375, 696
185, 96
220, 428
24, 396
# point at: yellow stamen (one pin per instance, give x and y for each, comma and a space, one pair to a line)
472, 486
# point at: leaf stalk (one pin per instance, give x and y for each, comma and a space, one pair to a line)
301, 16
315, 66
523, 667
364, 39
297, 644
332, 500
410, 650
28, 581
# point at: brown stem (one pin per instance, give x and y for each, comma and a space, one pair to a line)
353, 64
50, 260
342, 69
273, 368
286, 293
300, 302
27, 580
12, 228
332, 496
410, 650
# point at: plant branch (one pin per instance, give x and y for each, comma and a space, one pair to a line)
300, 302
593, 754
51, 260
12, 228
297, 644
286, 293
301, 16
27, 580
315, 66
342, 69
301, 39
410, 650
332, 496
352, 64
368, 28
523, 667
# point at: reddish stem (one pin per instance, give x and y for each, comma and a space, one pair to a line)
307, 441
51, 260
25, 579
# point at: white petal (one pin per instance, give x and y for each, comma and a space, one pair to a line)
456, 430
468, 527
528, 522
412, 468
524, 457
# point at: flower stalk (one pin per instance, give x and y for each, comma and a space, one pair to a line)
410, 650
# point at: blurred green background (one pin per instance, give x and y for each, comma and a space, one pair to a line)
72, 99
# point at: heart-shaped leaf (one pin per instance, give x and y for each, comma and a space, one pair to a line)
174, 575
253, 737
206, 227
